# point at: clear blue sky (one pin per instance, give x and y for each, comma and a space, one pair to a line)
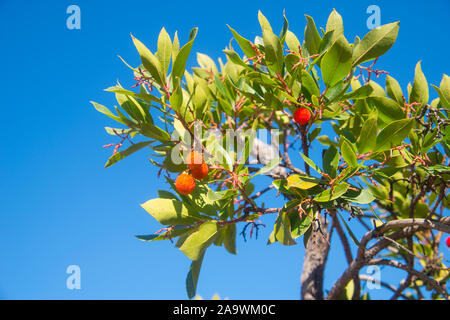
59, 206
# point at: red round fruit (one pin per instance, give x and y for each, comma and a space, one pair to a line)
302, 116
201, 172
185, 184
447, 241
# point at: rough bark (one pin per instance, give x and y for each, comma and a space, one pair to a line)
314, 262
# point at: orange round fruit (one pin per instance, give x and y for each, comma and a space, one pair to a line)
185, 184
201, 172
194, 160
302, 116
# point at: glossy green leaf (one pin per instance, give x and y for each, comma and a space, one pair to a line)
265, 25
301, 225
332, 194
199, 240
179, 64
164, 52
229, 239
393, 89
268, 167
335, 24
282, 230
368, 137
245, 44
274, 51
360, 93
150, 62
444, 91
388, 109
375, 43
302, 181
312, 36
363, 196
337, 62
143, 96
175, 46
311, 163
170, 212
292, 42
309, 84
419, 90
331, 161
125, 153
176, 232
348, 154
393, 134
106, 111
192, 276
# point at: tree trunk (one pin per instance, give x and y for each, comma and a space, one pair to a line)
318, 244
314, 261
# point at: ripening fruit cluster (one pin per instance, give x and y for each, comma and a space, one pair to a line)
185, 183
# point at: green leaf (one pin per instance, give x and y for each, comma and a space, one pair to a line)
164, 52
360, 93
176, 98
444, 91
268, 167
311, 163
229, 239
313, 134
143, 96
331, 161
176, 232
393, 89
133, 108
265, 25
330, 195
116, 131
292, 42
419, 91
170, 212
309, 84
198, 241
151, 131
388, 109
312, 36
364, 196
337, 62
368, 136
206, 62
301, 226
282, 230
175, 46
150, 62
179, 65
393, 134
106, 111
234, 57
375, 43
245, 44
335, 24
284, 29
192, 276
125, 153
302, 181
348, 154
274, 51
